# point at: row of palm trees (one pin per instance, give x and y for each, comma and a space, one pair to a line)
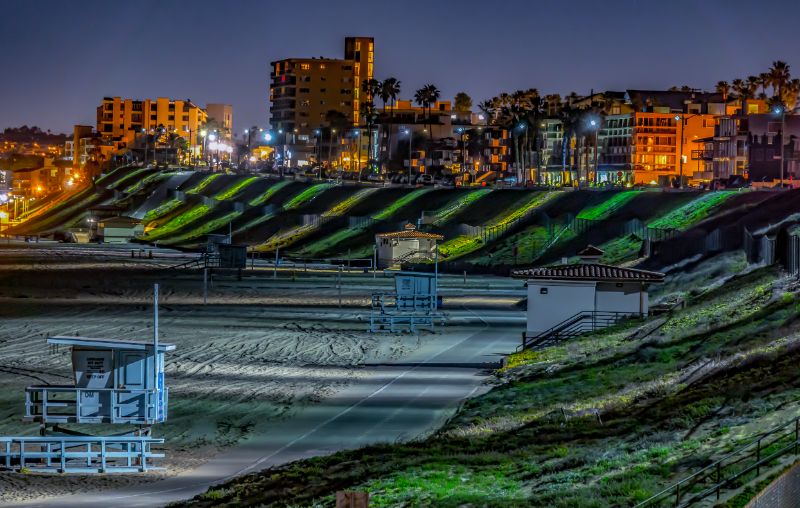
777, 81
387, 91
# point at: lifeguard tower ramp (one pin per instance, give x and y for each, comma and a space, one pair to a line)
412, 306
115, 382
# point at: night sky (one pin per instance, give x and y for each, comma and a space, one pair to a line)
59, 58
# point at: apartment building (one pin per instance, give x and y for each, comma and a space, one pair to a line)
222, 115
121, 120
304, 90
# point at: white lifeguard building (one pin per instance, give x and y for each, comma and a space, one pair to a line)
396, 247
570, 299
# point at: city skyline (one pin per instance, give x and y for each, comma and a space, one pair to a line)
175, 54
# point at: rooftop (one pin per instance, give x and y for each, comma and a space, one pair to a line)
410, 231
136, 345
589, 271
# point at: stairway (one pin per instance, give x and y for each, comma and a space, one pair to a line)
573, 326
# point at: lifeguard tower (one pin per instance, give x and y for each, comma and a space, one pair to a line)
412, 305
115, 382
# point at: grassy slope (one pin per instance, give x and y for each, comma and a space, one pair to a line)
330, 243
672, 393
462, 245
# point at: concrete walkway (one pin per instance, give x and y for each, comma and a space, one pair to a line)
396, 401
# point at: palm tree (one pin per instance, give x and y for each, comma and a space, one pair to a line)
488, 110
463, 102
390, 89
569, 121
763, 82
779, 76
723, 88
790, 92
427, 97
370, 116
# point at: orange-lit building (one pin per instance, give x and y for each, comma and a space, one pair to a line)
304, 90
122, 120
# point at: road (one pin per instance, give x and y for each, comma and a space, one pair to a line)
395, 401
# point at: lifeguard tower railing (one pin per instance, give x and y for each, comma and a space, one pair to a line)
79, 454
70, 404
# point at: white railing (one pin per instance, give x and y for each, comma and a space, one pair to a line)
70, 404
79, 454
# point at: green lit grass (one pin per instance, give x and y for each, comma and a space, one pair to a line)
202, 229
235, 189
447, 212
693, 211
328, 243
177, 222
608, 207
263, 198
463, 245
202, 184
162, 210
128, 178
306, 195
348, 203
396, 205
146, 182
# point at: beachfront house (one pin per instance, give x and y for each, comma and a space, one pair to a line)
569, 299
119, 229
396, 247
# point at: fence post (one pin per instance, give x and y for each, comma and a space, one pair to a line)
758, 458
718, 479
677, 494
796, 433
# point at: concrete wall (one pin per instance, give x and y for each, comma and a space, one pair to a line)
784, 492
390, 249
622, 297
551, 302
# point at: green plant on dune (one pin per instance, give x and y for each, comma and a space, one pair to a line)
235, 189
397, 204
177, 222
107, 176
128, 177
146, 182
202, 229
346, 204
306, 195
445, 213
267, 194
608, 207
161, 210
693, 211
205, 182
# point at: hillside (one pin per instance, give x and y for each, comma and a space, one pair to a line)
606, 420
485, 230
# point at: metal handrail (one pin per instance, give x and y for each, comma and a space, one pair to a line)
717, 466
570, 324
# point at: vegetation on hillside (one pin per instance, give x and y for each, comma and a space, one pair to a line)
267, 194
604, 420
235, 189
608, 207
202, 184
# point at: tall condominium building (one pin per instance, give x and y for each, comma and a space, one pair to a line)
222, 114
123, 119
303, 91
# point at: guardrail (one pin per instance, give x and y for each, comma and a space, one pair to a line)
732, 470
577, 324
79, 454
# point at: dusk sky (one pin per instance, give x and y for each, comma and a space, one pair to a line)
60, 58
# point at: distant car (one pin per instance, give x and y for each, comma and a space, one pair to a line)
425, 179
375, 177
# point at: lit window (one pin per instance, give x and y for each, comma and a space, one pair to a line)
322, 66
305, 66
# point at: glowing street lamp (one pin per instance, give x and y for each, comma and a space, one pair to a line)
781, 110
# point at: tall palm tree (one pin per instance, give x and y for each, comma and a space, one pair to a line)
763, 82
390, 89
569, 117
779, 76
370, 115
723, 88
427, 97
790, 92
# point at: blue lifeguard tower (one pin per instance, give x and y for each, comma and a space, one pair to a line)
115, 382
414, 304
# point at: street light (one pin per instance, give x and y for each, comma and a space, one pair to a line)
408, 133
780, 110
682, 119
594, 124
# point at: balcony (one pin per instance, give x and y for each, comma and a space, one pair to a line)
69, 404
